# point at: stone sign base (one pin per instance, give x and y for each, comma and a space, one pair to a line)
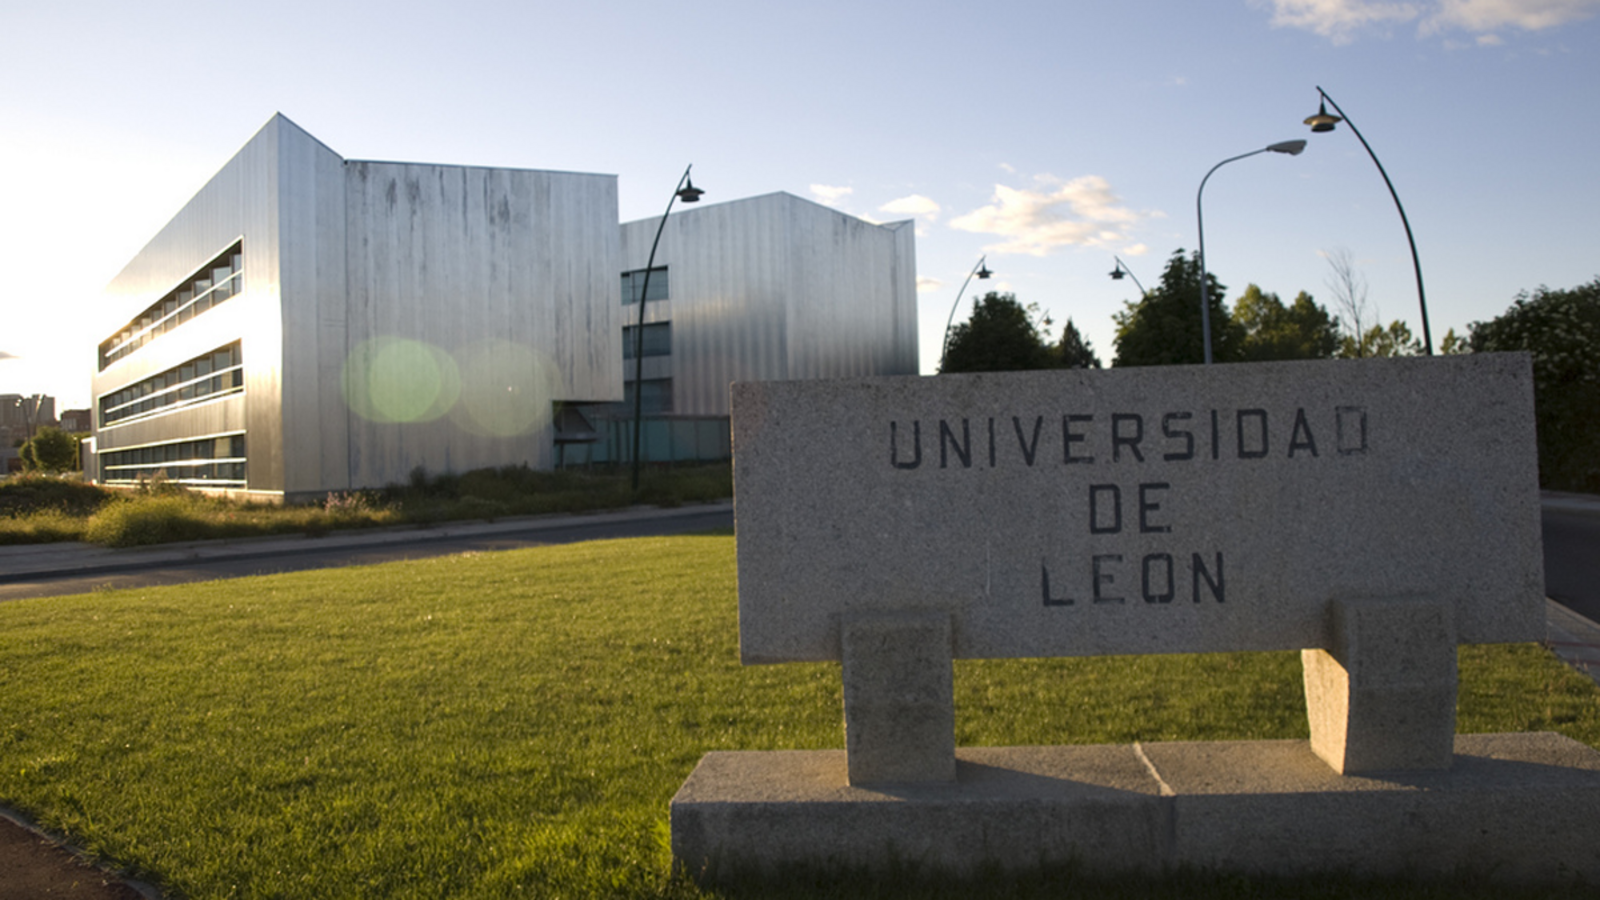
1518, 808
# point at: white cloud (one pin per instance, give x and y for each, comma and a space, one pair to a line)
1341, 21
1056, 214
915, 206
927, 284
1338, 20
829, 195
1490, 15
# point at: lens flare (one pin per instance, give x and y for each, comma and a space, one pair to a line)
506, 389
390, 379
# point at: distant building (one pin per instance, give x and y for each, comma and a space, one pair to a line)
309, 324
77, 421
22, 415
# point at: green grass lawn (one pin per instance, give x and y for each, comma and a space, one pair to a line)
514, 724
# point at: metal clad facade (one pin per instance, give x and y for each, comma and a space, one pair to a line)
504, 280
310, 415
239, 203
774, 288
512, 274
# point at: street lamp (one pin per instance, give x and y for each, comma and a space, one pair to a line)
1292, 148
688, 193
1324, 121
982, 272
1121, 270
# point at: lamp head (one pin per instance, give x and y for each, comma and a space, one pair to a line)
983, 271
1323, 120
1292, 148
690, 193
1117, 273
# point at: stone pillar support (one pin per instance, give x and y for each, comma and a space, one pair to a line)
899, 697
1383, 696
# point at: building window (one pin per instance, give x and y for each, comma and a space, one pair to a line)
208, 462
657, 339
657, 398
213, 284
633, 284
200, 379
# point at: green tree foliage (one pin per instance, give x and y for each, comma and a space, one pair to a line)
51, 450
1074, 351
1454, 344
1164, 328
1396, 340
1301, 330
999, 337
1561, 330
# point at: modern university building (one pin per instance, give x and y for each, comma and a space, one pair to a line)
308, 324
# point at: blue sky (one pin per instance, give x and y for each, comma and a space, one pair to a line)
1049, 136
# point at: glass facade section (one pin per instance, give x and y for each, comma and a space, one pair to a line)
208, 462
633, 284
657, 340
213, 284
203, 378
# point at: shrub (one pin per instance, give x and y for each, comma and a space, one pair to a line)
36, 493
137, 521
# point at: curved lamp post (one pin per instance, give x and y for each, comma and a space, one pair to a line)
688, 193
1323, 121
1292, 148
1121, 270
982, 272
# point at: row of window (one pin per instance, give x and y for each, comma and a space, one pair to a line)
219, 372
213, 462
213, 284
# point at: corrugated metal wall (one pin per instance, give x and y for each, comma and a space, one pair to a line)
777, 287
512, 275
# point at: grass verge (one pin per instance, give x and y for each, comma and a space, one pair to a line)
41, 509
514, 724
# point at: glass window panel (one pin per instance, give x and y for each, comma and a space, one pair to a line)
633, 283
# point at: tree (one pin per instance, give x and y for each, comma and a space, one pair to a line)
1074, 350
999, 337
1454, 344
1302, 330
1396, 340
51, 450
1164, 328
1349, 298
1561, 331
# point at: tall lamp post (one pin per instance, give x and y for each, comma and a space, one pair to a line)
1292, 148
688, 193
982, 272
1323, 121
1121, 270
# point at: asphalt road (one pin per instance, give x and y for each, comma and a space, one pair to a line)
308, 555
1572, 559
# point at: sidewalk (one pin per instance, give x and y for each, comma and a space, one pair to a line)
26, 561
